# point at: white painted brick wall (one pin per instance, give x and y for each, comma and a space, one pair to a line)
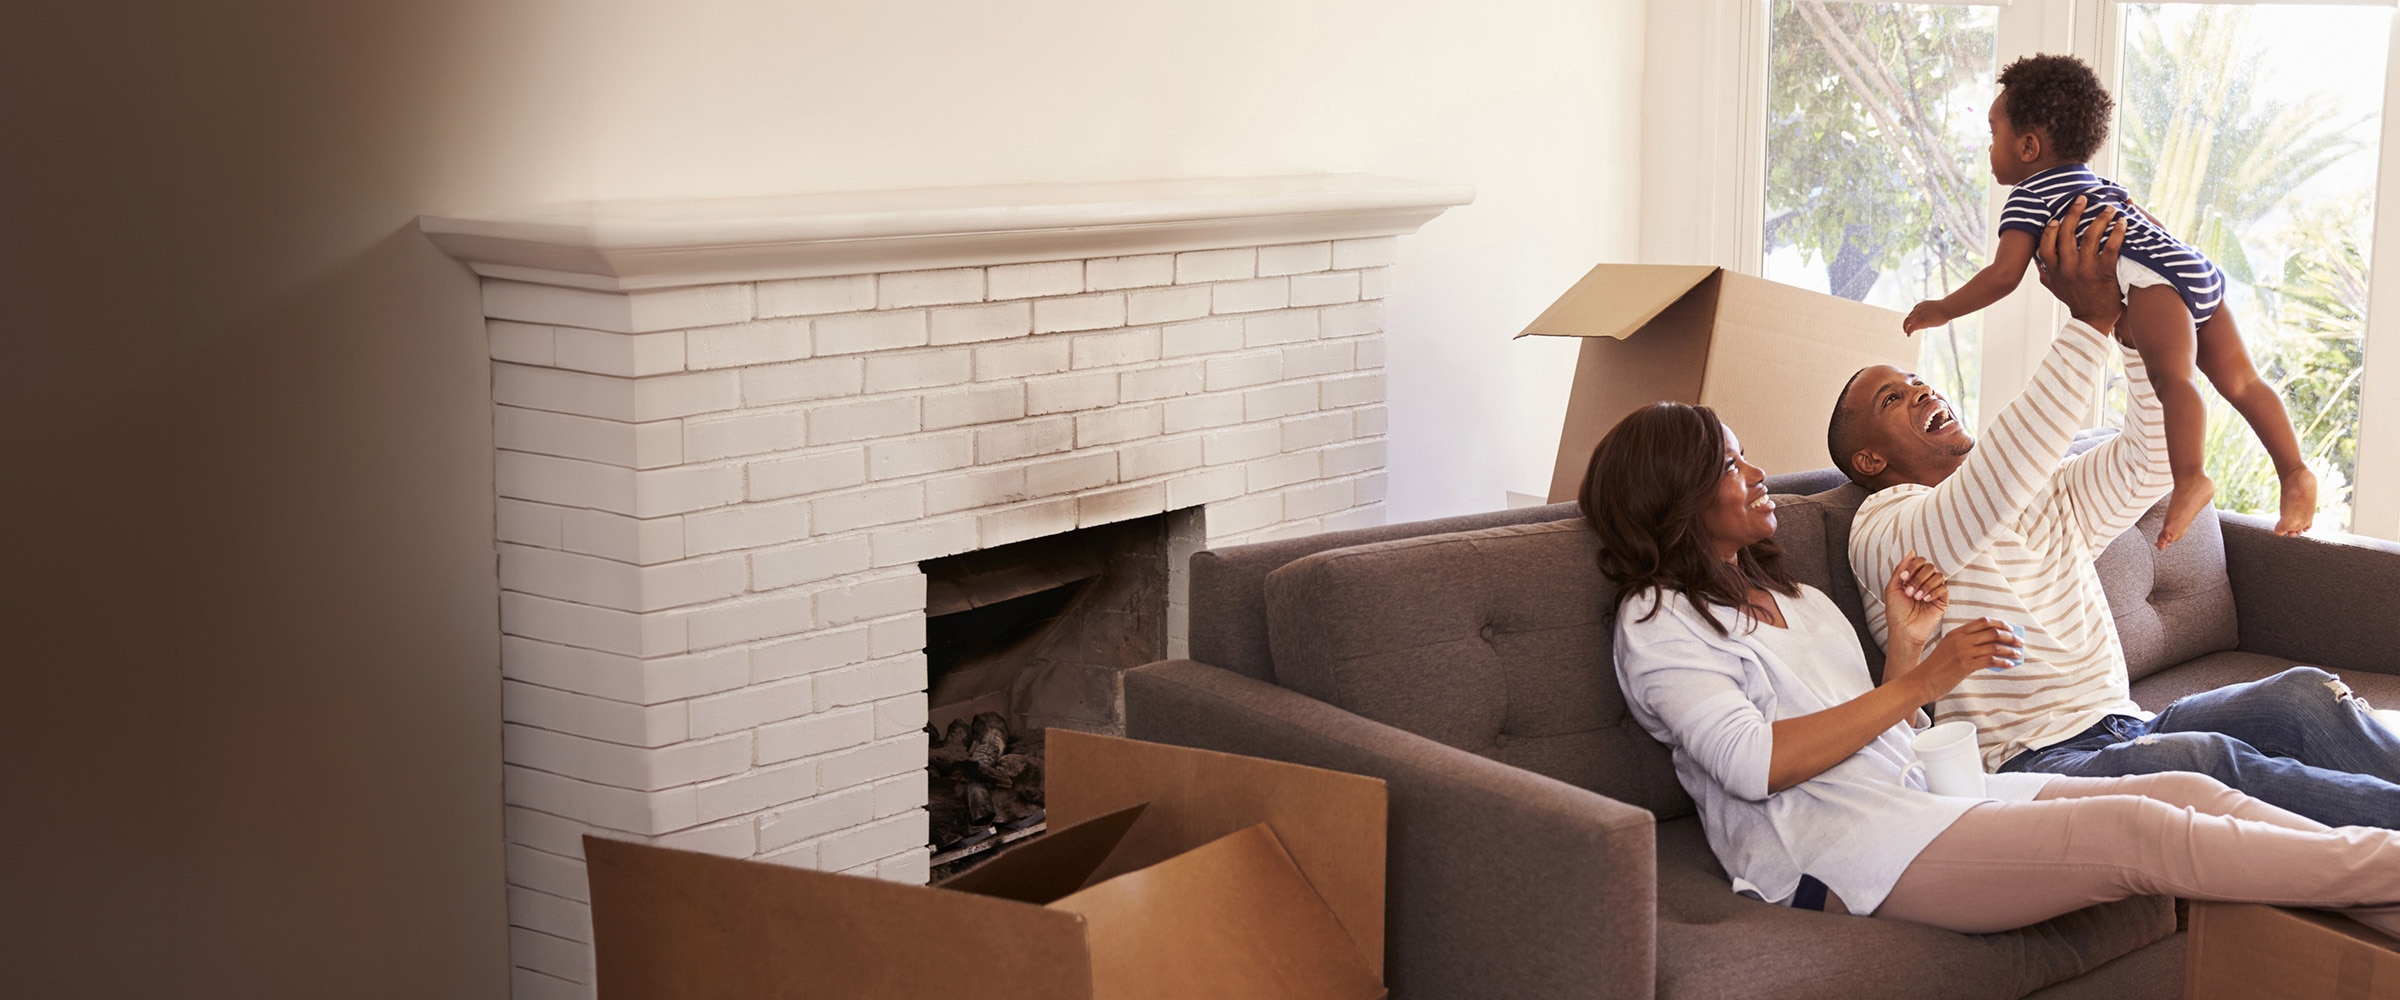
813, 296
1039, 356
803, 381
875, 331
1215, 265
1082, 312
762, 342
618, 354
1106, 273
928, 288
1295, 258
1166, 305
712, 502
1025, 281
969, 324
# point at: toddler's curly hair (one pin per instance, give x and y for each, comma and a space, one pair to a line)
2061, 95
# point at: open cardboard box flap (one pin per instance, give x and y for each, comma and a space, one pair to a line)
1168, 873
1767, 356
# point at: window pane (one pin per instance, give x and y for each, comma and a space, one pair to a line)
1876, 178
2250, 133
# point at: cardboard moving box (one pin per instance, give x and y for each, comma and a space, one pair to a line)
1767, 356
2244, 951
1168, 873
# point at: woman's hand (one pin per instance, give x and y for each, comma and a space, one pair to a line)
1913, 602
1981, 644
1805, 745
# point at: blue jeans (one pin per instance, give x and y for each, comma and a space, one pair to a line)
2299, 740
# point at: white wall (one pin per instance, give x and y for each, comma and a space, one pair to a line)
1535, 103
251, 604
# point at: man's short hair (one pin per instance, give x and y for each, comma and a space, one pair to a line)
1841, 432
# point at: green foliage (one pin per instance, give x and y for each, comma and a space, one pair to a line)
2213, 159
2202, 150
1874, 141
2313, 350
1861, 146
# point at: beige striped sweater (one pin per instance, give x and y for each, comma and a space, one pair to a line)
2017, 528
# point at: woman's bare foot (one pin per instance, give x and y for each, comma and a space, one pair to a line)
2190, 496
2299, 503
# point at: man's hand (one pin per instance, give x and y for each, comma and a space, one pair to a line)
1913, 601
2082, 270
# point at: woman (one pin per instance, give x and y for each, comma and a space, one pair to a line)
1800, 764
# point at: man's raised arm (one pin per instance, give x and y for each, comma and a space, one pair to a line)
2111, 486
2014, 463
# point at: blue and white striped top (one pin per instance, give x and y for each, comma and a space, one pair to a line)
2044, 196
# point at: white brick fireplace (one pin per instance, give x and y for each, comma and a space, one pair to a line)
728, 431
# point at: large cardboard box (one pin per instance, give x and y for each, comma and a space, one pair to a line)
2244, 951
1767, 356
1168, 873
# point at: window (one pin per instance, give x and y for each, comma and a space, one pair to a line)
2251, 132
1875, 183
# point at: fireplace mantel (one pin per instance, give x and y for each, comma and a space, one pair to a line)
630, 245
727, 432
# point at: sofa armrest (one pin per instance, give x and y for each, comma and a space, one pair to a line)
2323, 601
1503, 883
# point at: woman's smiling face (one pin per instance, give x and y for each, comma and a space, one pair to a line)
1742, 515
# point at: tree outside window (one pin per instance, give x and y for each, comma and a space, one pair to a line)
1876, 184
2251, 133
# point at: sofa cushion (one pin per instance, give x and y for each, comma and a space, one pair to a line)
2170, 605
2216, 670
1814, 533
1493, 641
1229, 606
1713, 943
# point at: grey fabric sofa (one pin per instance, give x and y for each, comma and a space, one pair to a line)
1540, 846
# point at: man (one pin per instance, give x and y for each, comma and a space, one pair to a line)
2016, 526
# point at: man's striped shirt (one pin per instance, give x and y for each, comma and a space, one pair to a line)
2045, 196
2016, 529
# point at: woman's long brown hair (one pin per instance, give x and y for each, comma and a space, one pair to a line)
1648, 491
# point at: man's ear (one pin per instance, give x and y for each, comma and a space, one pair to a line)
1868, 463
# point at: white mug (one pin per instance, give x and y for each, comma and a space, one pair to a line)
1950, 760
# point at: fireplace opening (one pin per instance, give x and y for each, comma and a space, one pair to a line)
1024, 637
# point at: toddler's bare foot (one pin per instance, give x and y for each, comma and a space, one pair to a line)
2190, 496
2299, 503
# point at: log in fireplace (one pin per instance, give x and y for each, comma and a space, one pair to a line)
1027, 636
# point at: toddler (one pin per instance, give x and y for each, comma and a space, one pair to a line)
2050, 116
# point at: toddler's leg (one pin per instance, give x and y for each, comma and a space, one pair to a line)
2159, 325
2009, 864
2227, 364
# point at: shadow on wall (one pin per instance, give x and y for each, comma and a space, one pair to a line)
251, 627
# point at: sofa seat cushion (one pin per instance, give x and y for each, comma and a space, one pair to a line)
1493, 641
1713, 943
2219, 669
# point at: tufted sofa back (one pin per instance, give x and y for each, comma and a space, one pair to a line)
2169, 606
1494, 641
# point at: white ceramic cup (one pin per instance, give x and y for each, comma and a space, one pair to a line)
1948, 756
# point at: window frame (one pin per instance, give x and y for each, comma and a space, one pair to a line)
1717, 122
